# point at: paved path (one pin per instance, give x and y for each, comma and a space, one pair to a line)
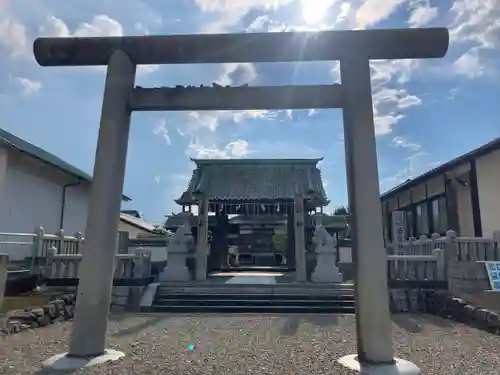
251, 279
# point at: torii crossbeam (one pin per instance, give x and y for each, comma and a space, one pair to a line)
354, 49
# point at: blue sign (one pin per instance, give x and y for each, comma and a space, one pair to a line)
493, 269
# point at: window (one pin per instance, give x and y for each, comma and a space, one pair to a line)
439, 215
409, 224
422, 219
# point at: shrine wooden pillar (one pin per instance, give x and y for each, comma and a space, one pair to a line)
220, 245
202, 238
300, 253
290, 233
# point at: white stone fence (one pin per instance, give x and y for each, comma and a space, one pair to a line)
135, 265
442, 258
33, 248
456, 259
20, 246
417, 267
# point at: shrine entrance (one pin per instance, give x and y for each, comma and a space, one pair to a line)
354, 50
258, 212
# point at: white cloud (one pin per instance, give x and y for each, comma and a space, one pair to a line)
231, 11
388, 102
475, 22
235, 75
413, 166
160, 129
422, 14
239, 6
469, 64
372, 12
402, 142
387, 106
101, 25
13, 36
29, 87
314, 11
235, 149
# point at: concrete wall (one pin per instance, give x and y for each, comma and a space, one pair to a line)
488, 181
32, 194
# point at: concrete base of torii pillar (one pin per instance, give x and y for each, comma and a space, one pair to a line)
399, 367
65, 362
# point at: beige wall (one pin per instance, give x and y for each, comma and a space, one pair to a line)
488, 182
133, 231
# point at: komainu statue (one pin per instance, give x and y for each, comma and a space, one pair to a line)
177, 251
326, 270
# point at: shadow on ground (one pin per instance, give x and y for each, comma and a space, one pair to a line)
293, 322
412, 323
149, 321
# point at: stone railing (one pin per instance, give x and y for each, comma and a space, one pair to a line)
421, 246
21, 246
417, 267
462, 258
30, 249
135, 265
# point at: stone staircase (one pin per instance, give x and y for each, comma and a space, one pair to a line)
241, 298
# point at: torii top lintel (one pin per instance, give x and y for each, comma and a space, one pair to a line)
248, 47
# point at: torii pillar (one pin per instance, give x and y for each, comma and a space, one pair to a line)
353, 49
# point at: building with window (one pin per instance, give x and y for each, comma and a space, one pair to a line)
463, 195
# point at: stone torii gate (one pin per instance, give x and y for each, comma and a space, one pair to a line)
353, 49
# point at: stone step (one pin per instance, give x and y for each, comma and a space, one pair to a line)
212, 285
253, 302
243, 291
238, 309
306, 298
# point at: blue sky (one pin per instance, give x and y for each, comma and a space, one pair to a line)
426, 112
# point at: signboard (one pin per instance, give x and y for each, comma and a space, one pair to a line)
398, 231
493, 269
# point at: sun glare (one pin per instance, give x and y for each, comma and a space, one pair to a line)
313, 11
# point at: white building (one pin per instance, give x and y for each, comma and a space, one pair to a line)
132, 222
463, 195
39, 189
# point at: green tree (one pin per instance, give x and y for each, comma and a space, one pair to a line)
342, 210
280, 242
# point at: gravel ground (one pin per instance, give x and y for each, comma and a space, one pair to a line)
257, 344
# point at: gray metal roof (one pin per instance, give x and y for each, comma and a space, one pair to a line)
21, 145
137, 222
255, 179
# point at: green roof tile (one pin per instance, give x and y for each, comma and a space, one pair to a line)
255, 179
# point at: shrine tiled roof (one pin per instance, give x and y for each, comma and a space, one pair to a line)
255, 179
